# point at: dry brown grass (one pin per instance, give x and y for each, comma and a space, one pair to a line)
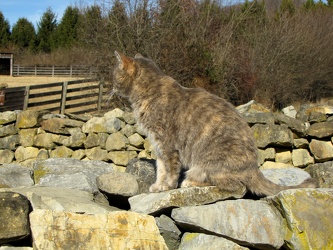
19, 81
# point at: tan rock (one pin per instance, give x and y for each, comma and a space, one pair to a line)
115, 230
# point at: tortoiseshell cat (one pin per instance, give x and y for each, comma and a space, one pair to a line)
192, 129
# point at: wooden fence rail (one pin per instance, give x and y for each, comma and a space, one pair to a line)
76, 97
70, 71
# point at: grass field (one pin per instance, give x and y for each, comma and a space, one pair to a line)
19, 81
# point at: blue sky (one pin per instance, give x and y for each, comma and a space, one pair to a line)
34, 9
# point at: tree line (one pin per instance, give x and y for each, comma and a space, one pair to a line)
274, 51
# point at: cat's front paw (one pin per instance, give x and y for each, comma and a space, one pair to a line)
155, 188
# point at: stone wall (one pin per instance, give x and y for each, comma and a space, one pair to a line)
77, 182
283, 141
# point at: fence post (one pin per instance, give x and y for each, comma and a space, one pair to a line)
26, 97
63, 98
100, 96
71, 71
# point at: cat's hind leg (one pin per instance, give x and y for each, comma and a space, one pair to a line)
195, 178
167, 173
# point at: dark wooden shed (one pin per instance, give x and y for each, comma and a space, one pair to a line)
6, 64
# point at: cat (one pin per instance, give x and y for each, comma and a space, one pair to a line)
193, 129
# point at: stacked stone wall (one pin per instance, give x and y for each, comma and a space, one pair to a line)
282, 140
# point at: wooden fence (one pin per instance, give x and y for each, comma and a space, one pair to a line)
76, 97
70, 71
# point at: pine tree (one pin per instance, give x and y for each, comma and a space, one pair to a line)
46, 31
67, 30
23, 33
4, 31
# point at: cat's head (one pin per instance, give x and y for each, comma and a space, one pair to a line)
132, 71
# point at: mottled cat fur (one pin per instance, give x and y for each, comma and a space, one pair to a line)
191, 129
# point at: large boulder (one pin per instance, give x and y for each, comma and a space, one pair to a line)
308, 213
115, 230
246, 222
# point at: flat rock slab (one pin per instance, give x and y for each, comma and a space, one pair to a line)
197, 241
286, 176
70, 173
115, 230
63, 199
155, 203
309, 216
246, 222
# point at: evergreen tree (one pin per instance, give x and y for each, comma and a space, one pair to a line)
46, 31
67, 30
4, 31
23, 33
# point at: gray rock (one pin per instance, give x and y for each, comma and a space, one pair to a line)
94, 140
63, 199
286, 176
267, 154
136, 140
321, 150
145, 172
116, 141
308, 214
323, 172
59, 125
70, 173
128, 117
295, 125
290, 111
266, 135
169, 231
7, 117
14, 219
199, 241
155, 203
117, 183
247, 222
6, 156
301, 158
262, 118
9, 142
14, 175
8, 130
321, 130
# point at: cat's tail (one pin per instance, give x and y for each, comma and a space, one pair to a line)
259, 185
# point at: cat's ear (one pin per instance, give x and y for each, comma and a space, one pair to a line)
138, 55
123, 60
125, 63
